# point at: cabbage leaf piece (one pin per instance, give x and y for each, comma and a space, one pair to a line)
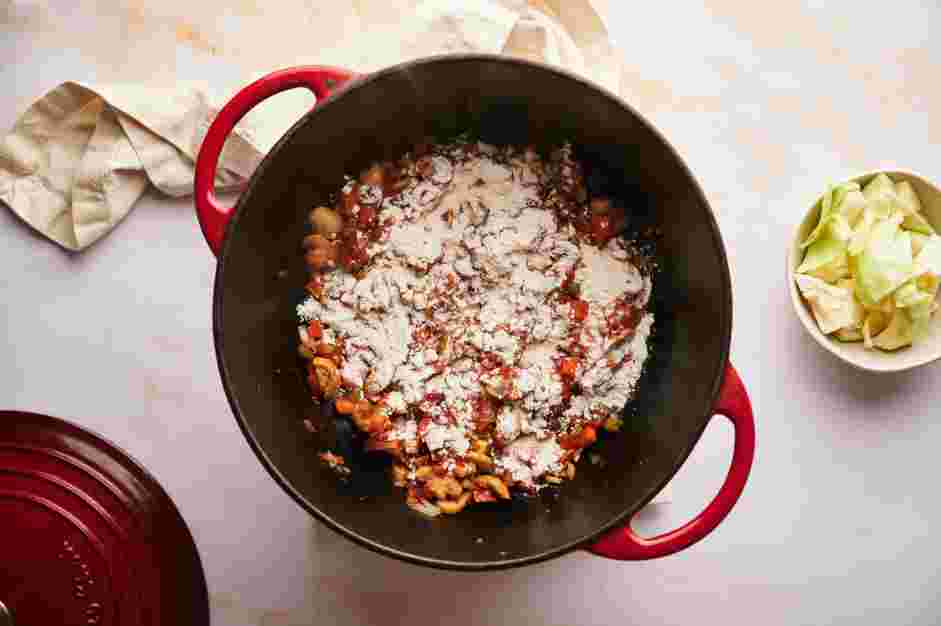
928, 259
886, 262
875, 323
849, 335
840, 209
827, 260
826, 212
849, 201
826, 257
880, 196
833, 307
898, 334
854, 332
862, 232
910, 294
908, 202
872, 265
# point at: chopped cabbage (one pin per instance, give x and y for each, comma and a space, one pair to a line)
876, 322
897, 334
922, 311
826, 259
910, 205
826, 211
852, 205
880, 196
832, 306
907, 198
918, 244
886, 262
871, 269
862, 231
917, 224
928, 259
910, 294
849, 335
839, 228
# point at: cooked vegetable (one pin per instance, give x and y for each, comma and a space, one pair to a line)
872, 265
827, 260
832, 306
886, 261
910, 205
897, 335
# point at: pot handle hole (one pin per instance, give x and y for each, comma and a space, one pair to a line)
624, 545
213, 216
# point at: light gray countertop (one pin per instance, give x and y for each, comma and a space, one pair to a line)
767, 102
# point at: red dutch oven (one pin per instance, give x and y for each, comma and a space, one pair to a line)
260, 271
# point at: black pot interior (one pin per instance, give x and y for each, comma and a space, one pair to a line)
261, 274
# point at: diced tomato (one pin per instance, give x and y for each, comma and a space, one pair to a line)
485, 411
567, 282
353, 253
391, 177
585, 437
567, 367
345, 406
348, 202
315, 286
315, 330
425, 167
602, 229
623, 319
314, 383
589, 436
423, 425
367, 217
488, 361
579, 310
434, 397
484, 495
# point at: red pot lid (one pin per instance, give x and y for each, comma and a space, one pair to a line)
87, 536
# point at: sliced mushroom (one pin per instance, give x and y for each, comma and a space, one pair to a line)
325, 221
456, 506
327, 376
494, 484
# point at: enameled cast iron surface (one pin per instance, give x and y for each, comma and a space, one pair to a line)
261, 272
87, 535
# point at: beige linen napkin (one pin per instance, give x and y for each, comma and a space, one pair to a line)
79, 158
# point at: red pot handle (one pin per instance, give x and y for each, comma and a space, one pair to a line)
623, 544
213, 217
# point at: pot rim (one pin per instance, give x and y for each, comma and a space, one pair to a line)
617, 521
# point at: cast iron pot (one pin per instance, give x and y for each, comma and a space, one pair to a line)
361, 119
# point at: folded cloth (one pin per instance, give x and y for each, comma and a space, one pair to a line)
78, 159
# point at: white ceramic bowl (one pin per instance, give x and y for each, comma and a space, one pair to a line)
924, 351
